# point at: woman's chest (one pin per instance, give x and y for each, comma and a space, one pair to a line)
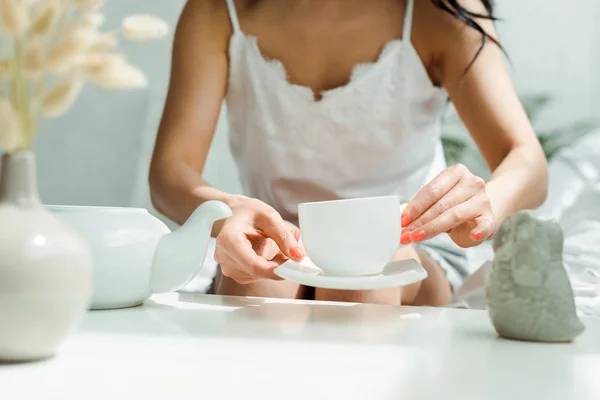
319, 50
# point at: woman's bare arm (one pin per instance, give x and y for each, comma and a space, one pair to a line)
457, 202
196, 90
488, 105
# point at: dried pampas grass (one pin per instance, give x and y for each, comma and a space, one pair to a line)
60, 98
95, 64
14, 17
89, 5
69, 47
104, 42
142, 27
10, 127
45, 20
4, 68
45, 41
93, 20
33, 59
117, 74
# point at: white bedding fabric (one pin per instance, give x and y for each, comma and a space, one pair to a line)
573, 199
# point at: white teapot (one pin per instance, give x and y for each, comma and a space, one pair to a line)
136, 255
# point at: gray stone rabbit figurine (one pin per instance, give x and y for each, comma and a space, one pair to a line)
529, 295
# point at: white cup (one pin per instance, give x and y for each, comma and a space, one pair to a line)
355, 237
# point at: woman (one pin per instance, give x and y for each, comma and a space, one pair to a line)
331, 99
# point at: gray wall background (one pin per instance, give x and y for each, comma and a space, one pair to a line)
98, 154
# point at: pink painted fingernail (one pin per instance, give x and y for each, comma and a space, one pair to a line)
417, 236
406, 220
477, 235
405, 238
296, 252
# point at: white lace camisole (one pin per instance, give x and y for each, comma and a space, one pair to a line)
377, 135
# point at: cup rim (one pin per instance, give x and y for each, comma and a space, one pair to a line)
112, 209
350, 200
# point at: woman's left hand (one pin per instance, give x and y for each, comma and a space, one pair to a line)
455, 202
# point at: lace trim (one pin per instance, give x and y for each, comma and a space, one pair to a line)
359, 71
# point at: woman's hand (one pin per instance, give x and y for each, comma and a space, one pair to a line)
255, 241
455, 202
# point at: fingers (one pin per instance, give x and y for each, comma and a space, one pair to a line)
238, 259
485, 228
431, 193
461, 192
279, 259
454, 202
265, 248
275, 228
256, 241
229, 268
450, 219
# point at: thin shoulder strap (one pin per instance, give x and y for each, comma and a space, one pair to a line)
233, 16
408, 17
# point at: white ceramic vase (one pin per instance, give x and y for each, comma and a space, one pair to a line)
45, 268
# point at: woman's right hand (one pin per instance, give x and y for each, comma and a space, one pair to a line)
254, 241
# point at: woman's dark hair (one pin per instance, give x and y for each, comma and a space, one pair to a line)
468, 18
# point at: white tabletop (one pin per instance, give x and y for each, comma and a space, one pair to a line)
205, 347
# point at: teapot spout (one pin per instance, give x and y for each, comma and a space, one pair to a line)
179, 255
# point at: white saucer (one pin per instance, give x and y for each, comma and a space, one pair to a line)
395, 274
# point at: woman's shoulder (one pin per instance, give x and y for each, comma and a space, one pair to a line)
437, 26
205, 22
438, 35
